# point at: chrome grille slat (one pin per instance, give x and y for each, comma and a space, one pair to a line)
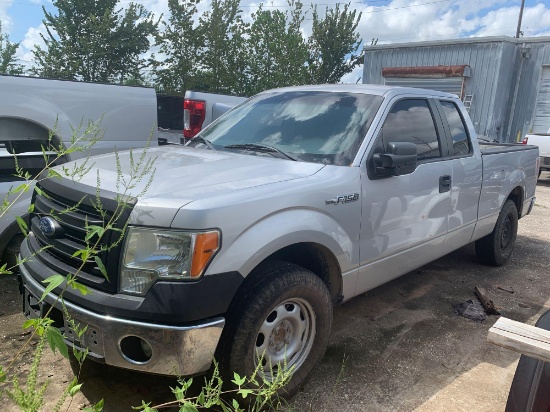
45, 206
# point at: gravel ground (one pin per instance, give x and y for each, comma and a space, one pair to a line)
399, 347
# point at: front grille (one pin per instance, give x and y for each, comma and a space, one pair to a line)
72, 206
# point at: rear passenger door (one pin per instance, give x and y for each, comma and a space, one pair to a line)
405, 218
466, 175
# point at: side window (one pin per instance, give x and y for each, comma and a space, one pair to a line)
461, 143
411, 120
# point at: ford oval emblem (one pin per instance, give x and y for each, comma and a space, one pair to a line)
48, 225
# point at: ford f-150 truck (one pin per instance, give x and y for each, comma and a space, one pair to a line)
296, 200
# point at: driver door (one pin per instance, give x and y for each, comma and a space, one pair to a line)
405, 218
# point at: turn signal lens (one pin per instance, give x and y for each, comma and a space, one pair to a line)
206, 245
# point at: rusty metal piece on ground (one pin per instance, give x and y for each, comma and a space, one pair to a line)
485, 301
462, 70
470, 310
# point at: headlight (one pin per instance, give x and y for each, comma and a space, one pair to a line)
152, 254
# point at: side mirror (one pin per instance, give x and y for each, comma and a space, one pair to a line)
400, 159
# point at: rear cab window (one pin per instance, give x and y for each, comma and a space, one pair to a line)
458, 130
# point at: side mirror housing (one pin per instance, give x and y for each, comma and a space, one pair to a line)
400, 159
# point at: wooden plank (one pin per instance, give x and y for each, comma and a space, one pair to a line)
485, 301
522, 338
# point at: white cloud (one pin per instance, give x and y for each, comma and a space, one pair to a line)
406, 21
4, 16
32, 39
535, 21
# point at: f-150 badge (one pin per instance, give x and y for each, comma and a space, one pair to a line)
343, 199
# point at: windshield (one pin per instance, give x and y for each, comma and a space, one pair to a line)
312, 126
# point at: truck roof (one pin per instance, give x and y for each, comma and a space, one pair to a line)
374, 89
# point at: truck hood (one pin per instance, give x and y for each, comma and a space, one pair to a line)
185, 174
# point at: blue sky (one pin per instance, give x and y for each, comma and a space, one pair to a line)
389, 21
25, 14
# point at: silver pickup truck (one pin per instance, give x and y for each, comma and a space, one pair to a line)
297, 200
31, 108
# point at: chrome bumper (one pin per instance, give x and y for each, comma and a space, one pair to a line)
183, 351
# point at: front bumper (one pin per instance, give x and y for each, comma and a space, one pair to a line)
174, 350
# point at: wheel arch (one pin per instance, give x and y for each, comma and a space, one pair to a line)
517, 196
312, 256
22, 129
316, 258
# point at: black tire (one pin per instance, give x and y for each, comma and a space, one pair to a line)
287, 299
496, 248
11, 252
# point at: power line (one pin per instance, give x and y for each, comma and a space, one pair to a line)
406, 7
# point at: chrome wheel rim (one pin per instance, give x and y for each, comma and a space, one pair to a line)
285, 338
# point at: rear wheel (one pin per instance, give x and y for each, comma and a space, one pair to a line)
496, 248
282, 324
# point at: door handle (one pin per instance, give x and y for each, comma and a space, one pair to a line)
444, 183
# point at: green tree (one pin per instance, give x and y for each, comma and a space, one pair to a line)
94, 41
179, 42
8, 61
334, 45
277, 51
221, 55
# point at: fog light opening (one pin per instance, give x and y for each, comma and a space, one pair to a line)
135, 350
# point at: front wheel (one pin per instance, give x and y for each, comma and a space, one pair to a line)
281, 325
496, 248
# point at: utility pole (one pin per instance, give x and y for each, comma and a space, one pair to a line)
518, 31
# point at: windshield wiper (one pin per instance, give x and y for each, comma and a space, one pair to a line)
200, 139
265, 148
